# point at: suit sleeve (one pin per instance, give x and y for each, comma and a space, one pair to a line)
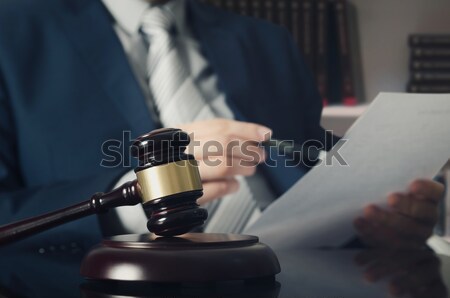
301, 110
311, 102
18, 202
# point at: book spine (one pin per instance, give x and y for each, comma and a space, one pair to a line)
230, 5
217, 3
308, 33
256, 10
321, 58
296, 22
430, 76
348, 90
429, 53
418, 65
428, 88
282, 13
429, 40
243, 7
269, 11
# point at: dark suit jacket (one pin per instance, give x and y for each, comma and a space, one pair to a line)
66, 87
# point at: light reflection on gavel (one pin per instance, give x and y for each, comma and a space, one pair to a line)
412, 273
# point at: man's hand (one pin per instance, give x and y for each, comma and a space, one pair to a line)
408, 223
225, 149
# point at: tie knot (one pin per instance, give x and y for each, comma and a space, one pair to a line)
157, 20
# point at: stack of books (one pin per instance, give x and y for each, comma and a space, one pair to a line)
320, 30
429, 63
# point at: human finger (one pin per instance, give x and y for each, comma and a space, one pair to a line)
216, 189
226, 127
380, 236
414, 207
246, 151
429, 189
222, 168
404, 226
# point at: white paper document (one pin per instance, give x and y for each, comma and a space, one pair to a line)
400, 137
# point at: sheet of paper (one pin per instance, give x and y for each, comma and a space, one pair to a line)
399, 138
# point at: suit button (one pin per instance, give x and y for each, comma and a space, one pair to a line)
41, 250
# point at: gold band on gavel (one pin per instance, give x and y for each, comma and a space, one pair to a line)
168, 179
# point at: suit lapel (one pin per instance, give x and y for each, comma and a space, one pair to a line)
224, 52
89, 27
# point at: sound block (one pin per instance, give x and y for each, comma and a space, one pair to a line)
193, 257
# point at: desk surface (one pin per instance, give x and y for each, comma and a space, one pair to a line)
305, 273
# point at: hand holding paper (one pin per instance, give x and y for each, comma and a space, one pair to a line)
409, 220
400, 138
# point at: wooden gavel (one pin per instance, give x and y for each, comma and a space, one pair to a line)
168, 185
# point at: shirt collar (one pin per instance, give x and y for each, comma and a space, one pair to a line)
128, 13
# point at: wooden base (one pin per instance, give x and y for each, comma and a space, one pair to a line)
125, 289
191, 257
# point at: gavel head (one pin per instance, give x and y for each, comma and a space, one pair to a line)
170, 182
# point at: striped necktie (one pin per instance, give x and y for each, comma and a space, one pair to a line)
179, 101
176, 97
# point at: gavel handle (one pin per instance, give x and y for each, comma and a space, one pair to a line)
125, 195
